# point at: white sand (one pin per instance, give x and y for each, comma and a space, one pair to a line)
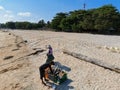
82, 75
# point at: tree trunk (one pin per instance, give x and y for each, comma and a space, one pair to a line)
92, 60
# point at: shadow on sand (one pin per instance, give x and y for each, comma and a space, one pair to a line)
63, 67
64, 85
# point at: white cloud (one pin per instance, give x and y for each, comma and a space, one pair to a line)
2, 8
8, 11
8, 16
24, 14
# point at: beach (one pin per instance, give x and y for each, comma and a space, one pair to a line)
19, 64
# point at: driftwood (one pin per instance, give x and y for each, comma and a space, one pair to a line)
92, 60
8, 57
36, 52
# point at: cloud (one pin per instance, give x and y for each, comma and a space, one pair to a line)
2, 8
8, 16
8, 11
24, 14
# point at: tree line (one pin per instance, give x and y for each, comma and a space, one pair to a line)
25, 25
102, 20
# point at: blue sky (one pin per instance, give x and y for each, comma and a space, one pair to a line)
35, 10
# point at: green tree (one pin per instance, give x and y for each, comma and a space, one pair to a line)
77, 28
88, 20
55, 24
28, 25
65, 24
10, 25
2, 25
48, 24
107, 17
41, 24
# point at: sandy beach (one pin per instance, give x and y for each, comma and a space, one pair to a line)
19, 67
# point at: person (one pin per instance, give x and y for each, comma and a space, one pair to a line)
43, 71
50, 56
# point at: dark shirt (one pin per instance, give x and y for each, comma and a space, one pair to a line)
46, 65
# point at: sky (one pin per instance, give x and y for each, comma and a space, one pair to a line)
35, 10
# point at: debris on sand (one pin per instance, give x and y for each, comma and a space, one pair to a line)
8, 57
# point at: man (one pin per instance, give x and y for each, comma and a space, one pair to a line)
50, 56
43, 71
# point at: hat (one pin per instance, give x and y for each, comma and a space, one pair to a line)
49, 46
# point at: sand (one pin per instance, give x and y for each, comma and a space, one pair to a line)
21, 72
